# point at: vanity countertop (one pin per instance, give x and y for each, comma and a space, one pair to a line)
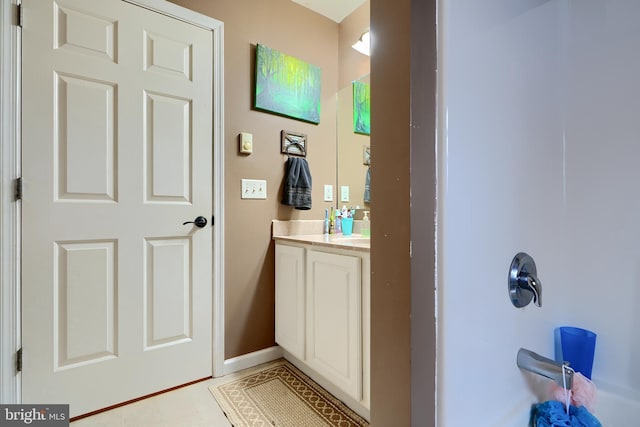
354, 242
310, 232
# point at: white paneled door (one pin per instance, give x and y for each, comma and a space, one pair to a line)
117, 155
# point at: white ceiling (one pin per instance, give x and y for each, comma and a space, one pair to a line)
336, 10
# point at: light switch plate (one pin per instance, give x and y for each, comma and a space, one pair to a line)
254, 189
328, 193
344, 193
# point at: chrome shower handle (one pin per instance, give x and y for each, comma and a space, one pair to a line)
532, 283
524, 284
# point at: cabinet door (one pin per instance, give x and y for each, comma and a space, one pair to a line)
334, 319
366, 330
290, 301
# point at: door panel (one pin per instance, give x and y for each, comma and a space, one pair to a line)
84, 32
168, 144
84, 303
84, 139
171, 57
117, 154
168, 290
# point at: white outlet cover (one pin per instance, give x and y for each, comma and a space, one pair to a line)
328, 193
344, 193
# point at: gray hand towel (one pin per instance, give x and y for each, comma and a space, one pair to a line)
367, 186
297, 184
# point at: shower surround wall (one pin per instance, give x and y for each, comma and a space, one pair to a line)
539, 151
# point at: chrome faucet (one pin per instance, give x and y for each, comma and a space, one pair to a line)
562, 374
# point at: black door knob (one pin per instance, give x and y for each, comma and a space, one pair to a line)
198, 222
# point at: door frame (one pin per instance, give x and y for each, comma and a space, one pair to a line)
10, 161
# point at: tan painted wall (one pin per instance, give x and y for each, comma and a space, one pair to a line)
391, 224
403, 137
423, 211
283, 25
294, 30
249, 251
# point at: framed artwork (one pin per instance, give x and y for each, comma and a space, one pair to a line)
286, 85
361, 108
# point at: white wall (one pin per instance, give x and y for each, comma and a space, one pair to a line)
603, 183
539, 153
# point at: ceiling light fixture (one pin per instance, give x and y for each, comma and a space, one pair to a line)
363, 44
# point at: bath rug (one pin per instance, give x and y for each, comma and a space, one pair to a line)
279, 395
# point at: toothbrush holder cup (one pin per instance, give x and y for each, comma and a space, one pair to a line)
347, 226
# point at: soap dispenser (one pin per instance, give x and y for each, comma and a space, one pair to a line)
365, 229
338, 223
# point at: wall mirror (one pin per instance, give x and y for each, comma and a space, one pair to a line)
353, 153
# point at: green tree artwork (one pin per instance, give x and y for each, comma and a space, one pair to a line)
361, 108
286, 85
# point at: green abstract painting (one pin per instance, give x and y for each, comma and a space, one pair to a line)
287, 85
361, 108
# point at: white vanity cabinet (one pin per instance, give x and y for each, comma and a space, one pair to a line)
322, 316
334, 319
290, 299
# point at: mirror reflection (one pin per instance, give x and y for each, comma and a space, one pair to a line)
353, 154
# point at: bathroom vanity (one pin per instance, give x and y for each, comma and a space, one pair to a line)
323, 311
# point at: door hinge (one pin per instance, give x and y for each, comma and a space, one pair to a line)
19, 188
19, 15
19, 360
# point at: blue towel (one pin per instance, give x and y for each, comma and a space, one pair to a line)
553, 414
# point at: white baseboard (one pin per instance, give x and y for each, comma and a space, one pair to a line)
250, 360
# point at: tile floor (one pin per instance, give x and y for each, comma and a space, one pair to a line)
191, 406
